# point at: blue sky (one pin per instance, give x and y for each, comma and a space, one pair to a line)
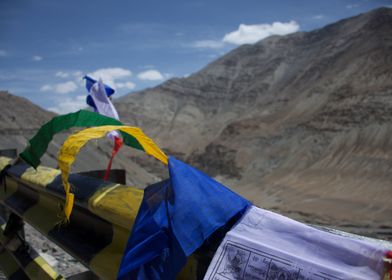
46, 46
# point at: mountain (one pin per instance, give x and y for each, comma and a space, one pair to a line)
20, 119
298, 123
13, 118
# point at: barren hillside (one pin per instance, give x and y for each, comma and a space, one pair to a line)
298, 123
20, 120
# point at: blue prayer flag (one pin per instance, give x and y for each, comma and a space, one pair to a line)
175, 218
89, 83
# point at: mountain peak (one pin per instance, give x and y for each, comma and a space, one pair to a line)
294, 112
20, 113
379, 17
299, 123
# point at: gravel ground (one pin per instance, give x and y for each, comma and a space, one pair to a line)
61, 261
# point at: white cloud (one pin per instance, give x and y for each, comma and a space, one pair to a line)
37, 58
168, 75
66, 87
126, 85
77, 74
150, 75
115, 77
249, 34
68, 105
3, 53
46, 87
318, 17
208, 44
110, 75
65, 74
62, 74
61, 88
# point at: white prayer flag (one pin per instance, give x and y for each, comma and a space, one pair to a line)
104, 105
265, 245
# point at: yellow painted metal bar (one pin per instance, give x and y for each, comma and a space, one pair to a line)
101, 221
39, 269
4, 161
29, 261
8, 264
75, 142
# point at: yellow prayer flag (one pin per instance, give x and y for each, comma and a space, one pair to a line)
75, 142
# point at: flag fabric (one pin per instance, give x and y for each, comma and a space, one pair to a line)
389, 261
116, 147
102, 102
72, 145
39, 143
104, 106
175, 218
265, 245
89, 83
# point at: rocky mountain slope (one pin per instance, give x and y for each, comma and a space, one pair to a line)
20, 119
298, 123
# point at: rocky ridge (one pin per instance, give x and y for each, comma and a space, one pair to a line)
298, 123
20, 119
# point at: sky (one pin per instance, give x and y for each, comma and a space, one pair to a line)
47, 46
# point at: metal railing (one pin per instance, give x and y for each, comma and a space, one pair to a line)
98, 231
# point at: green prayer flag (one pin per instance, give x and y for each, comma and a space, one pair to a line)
82, 118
